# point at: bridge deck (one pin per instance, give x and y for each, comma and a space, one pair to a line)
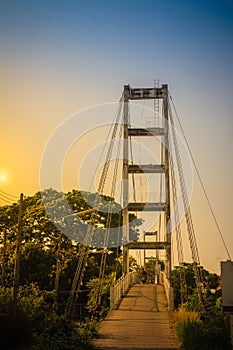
141, 322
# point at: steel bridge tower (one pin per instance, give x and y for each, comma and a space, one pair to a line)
157, 94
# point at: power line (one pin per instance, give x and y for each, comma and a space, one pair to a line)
9, 195
5, 199
201, 182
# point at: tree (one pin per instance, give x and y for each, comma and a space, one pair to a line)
211, 283
42, 236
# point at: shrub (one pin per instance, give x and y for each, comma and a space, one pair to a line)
188, 328
210, 331
32, 303
61, 334
13, 330
88, 331
102, 288
5, 299
216, 330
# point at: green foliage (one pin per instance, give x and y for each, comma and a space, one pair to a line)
46, 253
61, 334
88, 330
31, 311
36, 322
41, 260
15, 331
96, 287
216, 329
41, 237
209, 331
211, 283
5, 299
193, 303
36, 304
190, 335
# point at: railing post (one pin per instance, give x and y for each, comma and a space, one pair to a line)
112, 298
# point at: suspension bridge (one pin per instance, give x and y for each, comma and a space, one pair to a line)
147, 155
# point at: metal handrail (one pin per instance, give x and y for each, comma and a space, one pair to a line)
120, 288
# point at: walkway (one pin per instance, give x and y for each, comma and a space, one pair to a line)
141, 322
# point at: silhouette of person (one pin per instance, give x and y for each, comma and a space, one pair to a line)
143, 275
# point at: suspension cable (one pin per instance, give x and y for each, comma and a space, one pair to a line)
108, 136
179, 241
201, 182
188, 216
85, 248
108, 223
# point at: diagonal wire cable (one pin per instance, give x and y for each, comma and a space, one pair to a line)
8, 195
188, 216
85, 249
201, 182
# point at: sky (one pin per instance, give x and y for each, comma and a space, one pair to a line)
62, 57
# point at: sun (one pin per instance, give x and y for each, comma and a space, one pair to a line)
3, 177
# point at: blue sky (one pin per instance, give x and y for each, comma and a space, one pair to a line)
58, 57
91, 37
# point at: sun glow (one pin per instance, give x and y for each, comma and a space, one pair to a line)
3, 177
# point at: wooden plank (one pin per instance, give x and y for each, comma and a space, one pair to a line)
141, 322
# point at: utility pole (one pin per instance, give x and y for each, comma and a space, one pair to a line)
4, 257
17, 258
58, 268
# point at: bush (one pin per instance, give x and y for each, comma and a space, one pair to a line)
188, 328
32, 309
207, 332
88, 331
216, 330
36, 322
102, 288
61, 334
15, 331
5, 299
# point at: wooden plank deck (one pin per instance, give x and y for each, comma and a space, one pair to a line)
142, 321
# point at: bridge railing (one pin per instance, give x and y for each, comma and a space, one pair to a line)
121, 287
168, 290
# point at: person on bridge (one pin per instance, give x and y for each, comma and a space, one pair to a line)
143, 275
